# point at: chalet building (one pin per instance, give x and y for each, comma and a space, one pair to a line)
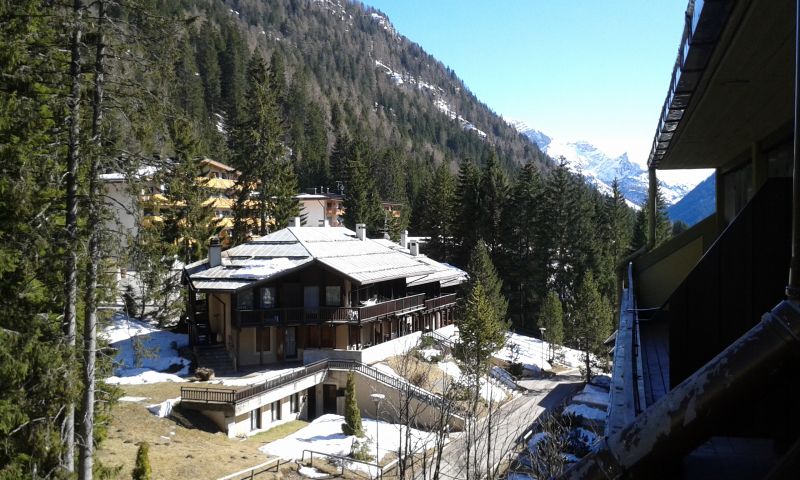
318, 206
306, 294
705, 381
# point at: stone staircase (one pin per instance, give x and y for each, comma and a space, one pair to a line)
216, 358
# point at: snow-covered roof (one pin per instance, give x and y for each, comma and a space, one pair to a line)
337, 248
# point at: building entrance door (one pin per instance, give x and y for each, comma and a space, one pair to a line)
311, 395
329, 398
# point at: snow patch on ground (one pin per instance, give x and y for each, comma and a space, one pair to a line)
146, 376
132, 399
325, 435
593, 395
383, 368
429, 353
162, 345
310, 472
585, 412
533, 353
489, 390
163, 409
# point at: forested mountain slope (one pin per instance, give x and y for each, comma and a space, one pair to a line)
346, 70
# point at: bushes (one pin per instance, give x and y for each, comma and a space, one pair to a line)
204, 373
352, 416
142, 469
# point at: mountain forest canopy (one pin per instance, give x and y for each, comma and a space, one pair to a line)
292, 93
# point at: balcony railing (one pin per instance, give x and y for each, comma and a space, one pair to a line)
315, 315
302, 315
397, 306
439, 302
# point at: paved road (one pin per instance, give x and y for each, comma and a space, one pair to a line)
509, 423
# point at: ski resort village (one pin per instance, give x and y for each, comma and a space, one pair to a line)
251, 239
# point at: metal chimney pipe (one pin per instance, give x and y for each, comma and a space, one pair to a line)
214, 252
404, 239
414, 247
297, 222
361, 231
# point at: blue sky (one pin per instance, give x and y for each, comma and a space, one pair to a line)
574, 69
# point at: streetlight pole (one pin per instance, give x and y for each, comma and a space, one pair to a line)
377, 398
542, 330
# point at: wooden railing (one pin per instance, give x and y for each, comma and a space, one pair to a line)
282, 380
208, 395
277, 316
400, 305
314, 315
439, 302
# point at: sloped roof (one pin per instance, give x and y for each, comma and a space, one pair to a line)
337, 248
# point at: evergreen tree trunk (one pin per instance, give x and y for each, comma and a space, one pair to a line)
71, 223
94, 226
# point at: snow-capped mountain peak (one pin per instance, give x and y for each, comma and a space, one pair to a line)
600, 168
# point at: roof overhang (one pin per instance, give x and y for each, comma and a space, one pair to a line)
732, 85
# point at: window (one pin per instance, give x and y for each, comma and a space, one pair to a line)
255, 419
276, 410
268, 297
244, 300
263, 339
333, 296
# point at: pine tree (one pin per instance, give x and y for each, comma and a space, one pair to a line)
282, 190
142, 469
258, 150
361, 202
551, 317
481, 325
521, 253
467, 209
208, 66
663, 224
493, 197
481, 269
352, 415
434, 213
639, 237
593, 323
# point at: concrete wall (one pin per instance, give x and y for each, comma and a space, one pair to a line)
311, 355
426, 415
398, 346
282, 392
378, 353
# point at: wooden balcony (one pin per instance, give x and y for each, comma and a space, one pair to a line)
440, 302
317, 315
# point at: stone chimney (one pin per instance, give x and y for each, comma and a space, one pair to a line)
214, 252
404, 239
296, 222
361, 231
414, 247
